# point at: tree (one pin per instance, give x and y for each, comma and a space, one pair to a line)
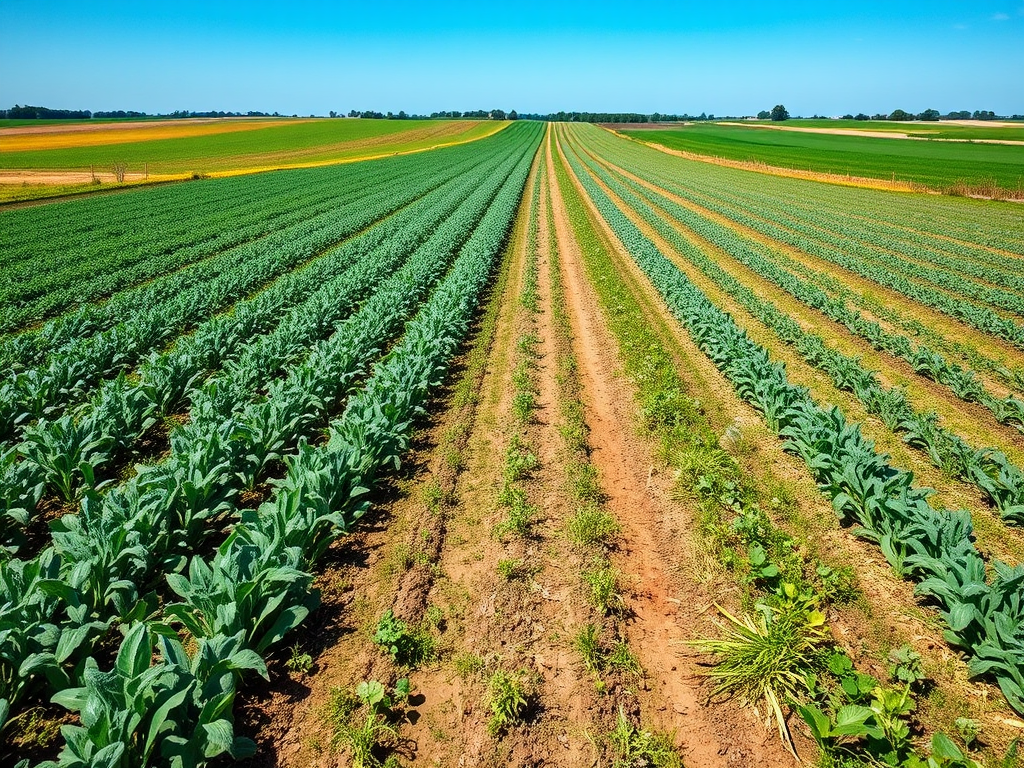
764, 114
779, 113
929, 114
861, 116
899, 114
513, 115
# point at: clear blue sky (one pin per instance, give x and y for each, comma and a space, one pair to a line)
714, 56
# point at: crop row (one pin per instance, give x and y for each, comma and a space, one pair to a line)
243, 600
183, 299
927, 362
989, 469
775, 223
982, 616
245, 341
104, 556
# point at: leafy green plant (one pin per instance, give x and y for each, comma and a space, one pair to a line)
633, 747
508, 698
299, 662
905, 665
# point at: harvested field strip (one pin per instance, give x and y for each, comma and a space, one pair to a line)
26, 139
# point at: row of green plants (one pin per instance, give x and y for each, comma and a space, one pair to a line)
777, 224
834, 299
377, 190
779, 654
321, 296
159, 312
988, 468
257, 582
983, 615
219, 454
40, 289
962, 382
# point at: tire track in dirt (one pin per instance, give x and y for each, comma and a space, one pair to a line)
665, 607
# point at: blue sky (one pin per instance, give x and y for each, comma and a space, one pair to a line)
713, 56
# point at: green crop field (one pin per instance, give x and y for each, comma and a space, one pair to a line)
550, 394
1004, 130
938, 165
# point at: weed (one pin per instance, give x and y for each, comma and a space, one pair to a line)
768, 658
590, 526
367, 723
508, 698
622, 659
408, 647
467, 664
512, 569
588, 644
520, 515
604, 588
300, 663
634, 747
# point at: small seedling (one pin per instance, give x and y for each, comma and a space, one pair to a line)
969, 730
588, 644
508, 699
905, 665
604, 588
633, 746
300, 663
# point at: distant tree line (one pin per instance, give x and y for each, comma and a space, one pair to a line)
478, 114
777, 113
45, 113
931, 115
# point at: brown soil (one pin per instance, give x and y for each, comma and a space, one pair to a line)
667, 605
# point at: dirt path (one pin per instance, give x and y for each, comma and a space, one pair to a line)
665, 603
